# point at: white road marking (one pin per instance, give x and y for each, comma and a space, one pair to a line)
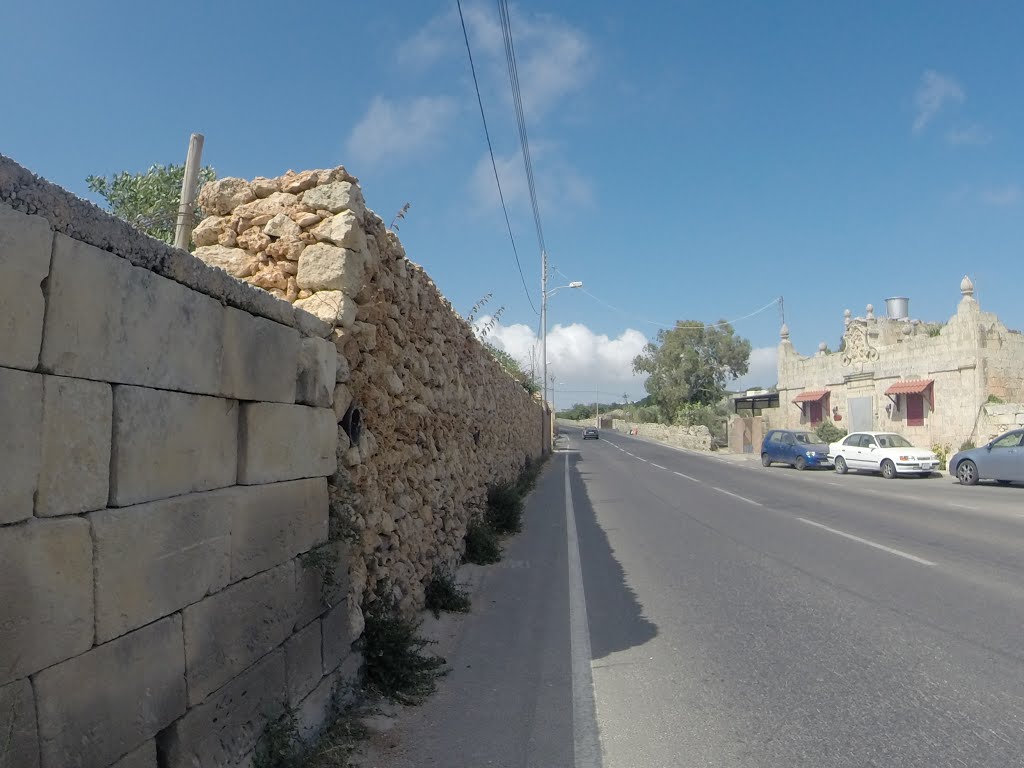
831, 483
639, 459
657, 465
963, 506
586, 740
876, 545
694, 479
737, 496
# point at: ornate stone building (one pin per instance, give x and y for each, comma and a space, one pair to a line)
938, 384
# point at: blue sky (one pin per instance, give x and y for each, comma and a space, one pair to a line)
692, 160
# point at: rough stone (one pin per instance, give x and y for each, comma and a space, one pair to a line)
211, 230
289, 248
77, 418
46, 590
157, 333
282, 226
342, 400
156, 558
19, 741
264, 187
325, 267
229, 723
21, 414
168, 443
305, 219
99, 706
273, 523
273, 204
285, 442
224, 195
336, 197
317, 361
303, 663
333, 307
344, 230
342, 370
298, 182
258, 354
228, 631
312, 326
143, 757
25, 246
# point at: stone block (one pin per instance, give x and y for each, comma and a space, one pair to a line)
337, 638
226, 726
25, 246
259, 356
169, 443
322, 582
318, 361
46, 590
334, 690
273, 523
19, 741
77, 416
285, 442
332, 307
324, 267
228, 631
21, 414
143, 757
154, 559
109, 321
98, 707
303, 662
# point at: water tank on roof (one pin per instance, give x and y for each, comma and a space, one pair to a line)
897, 308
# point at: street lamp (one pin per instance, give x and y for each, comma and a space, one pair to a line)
544, 293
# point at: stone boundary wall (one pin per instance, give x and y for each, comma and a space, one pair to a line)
997, 419
694, 438
202, 483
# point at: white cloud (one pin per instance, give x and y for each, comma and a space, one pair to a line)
933, 94
762, 371
1010, 194
558, 183
582, 362
392, 130
973, 135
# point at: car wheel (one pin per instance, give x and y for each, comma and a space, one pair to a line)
967, 473
841, 467
801, 463
765, 461
888, 470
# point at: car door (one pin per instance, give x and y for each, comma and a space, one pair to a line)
1003, 460
788, 448
866, 453
848, 450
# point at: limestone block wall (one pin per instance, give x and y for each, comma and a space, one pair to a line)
426, 418
167, 437
695, 438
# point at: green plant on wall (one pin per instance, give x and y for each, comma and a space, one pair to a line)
943, 452
829, 433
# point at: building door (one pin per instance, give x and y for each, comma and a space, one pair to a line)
862, 417
915, 410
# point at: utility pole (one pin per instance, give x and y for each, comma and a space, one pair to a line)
544, 321
183, 229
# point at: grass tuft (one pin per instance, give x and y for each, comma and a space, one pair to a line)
444, 594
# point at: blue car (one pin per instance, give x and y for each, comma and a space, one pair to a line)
796, 447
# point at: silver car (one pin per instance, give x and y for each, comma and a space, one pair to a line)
1001, 460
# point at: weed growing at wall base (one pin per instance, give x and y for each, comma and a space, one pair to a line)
505, 508
443, 594
280, 746
482, 547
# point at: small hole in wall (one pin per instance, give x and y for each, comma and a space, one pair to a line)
352, 423
476, 437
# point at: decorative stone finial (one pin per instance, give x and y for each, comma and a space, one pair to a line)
784, 332
846, 318
871, 312
966, 287
907, 329
822, 348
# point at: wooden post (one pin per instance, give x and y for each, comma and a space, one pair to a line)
189, 190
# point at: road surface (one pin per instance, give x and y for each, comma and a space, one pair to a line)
721, 614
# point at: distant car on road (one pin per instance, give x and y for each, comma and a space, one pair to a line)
796, 447
1001, 460
884, 452
589, 432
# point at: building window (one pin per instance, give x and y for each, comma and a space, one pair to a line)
915, 410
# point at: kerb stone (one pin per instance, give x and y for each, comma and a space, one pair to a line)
21, 414
77, 417
155, 333
168, 443
258, 357
156, 558
46, 590
97, 707
228, 631
25, 246
285, 442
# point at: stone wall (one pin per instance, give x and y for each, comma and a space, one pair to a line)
175, 484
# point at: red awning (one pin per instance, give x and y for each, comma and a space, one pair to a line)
811, 396
912, 387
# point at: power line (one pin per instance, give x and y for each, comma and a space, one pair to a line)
490, 149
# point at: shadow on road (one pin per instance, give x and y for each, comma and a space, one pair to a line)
615, 616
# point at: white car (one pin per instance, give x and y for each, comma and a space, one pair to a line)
884, 452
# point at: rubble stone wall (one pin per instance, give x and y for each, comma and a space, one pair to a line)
174, 494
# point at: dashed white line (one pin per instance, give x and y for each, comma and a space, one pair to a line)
736, 496
963, 506
694, 479
639, 459
875, 544
657, 465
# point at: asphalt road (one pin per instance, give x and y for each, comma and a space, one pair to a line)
721, 614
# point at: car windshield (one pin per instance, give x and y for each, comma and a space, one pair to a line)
893, 441
807, 438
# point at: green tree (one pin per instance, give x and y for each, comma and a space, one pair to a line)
148, 201
512, 367
691, 363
